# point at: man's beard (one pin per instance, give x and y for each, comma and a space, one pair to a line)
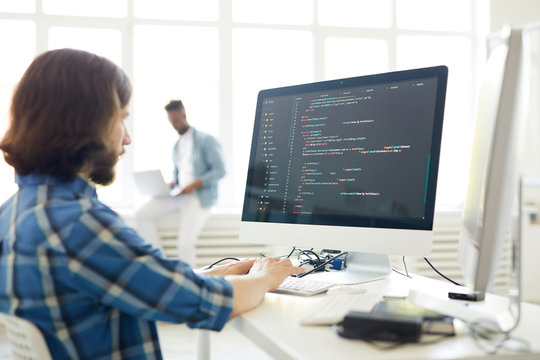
103, 167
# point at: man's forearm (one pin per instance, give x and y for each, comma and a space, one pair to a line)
248, 292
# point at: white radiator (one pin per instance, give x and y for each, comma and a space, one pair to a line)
218, 239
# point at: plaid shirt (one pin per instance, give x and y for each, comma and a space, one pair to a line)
94, 288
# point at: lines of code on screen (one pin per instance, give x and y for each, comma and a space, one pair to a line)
360, 151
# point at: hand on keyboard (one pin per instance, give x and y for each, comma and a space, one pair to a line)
274, 270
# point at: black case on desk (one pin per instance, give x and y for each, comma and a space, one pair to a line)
381, 326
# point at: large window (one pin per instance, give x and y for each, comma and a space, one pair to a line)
17, 53
216, 55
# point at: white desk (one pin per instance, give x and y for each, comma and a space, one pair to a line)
274, 327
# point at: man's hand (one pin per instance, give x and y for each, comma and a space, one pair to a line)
173, 185
236, 268
274, 270
265, 275
192, 187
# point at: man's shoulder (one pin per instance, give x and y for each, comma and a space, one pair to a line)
200, 133
91, 212
82, 209
105, 215
203, 136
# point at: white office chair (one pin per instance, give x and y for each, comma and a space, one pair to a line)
26, 341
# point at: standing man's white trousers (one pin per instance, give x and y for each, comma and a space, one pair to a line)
192, 218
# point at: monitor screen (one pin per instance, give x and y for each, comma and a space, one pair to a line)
351, 152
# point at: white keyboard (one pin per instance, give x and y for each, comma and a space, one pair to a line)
333, 308
302, 286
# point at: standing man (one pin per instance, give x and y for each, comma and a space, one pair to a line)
198, 166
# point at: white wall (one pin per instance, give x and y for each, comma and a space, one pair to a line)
513, 12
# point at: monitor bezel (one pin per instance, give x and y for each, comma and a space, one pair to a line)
425, 223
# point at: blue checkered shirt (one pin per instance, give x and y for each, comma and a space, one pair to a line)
94, 288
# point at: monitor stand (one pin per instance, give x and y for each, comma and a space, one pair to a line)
361, 267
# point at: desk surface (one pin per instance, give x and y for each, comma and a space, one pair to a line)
274, 326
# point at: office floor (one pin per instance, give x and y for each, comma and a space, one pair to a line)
180, 342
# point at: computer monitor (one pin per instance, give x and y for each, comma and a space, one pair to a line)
493, 186
493, 177
348, 164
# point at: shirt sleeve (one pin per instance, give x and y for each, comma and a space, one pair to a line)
111, 263
214, 158
175, 163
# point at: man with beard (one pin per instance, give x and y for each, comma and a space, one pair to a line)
68, 263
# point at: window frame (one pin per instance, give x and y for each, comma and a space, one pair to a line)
225, 26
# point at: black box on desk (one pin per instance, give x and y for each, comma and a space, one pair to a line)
381, 326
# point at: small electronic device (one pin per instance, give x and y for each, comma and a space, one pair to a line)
432, 322
348, 164
151, 183
381, 326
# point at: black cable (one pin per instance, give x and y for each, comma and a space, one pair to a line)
441, 274
283, 256
311, 261
321, 266
292, 251
493, 342
405, 265
220, 260
308, 258
400, 273
406, 270
307, 252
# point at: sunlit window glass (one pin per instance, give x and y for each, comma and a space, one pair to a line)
355, 13
346, 57
262, 59
298, 12
103, 42
17, 53
103, 8
18, 6
436, 15
183, 65
204, 10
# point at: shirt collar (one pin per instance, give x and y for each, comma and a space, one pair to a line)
188, 133
78, 185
